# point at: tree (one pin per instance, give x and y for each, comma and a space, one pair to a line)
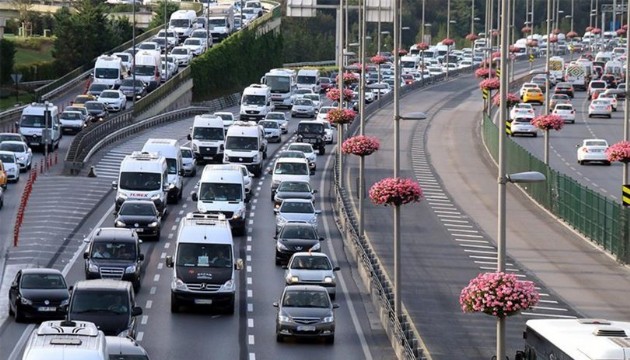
7, 59
23, 8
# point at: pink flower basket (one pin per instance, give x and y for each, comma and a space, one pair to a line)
484, 73
548, 122
512, 99
496, 55
422, 46
589, 28
526, 29
333, 94
448, 42
514, 49
572, 34
498, 294
348, 78
596, 31
490, 84
395, 192
621, 31
360, 145
624, 26
402, 52
532, 42
619, 152
360, 67
553, 39
472, 37
378, 59
341, 116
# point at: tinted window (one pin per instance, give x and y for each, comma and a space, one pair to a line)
43, 281
12, 147
204, 255
114, 250
134, 208
140, 181
99, 301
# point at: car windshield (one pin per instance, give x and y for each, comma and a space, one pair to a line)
311, 263
254, 100
294, 186
140, 181
292, 154
308, 129
325, 109
70, 116
99, 301
98, 87
147, 46
298, 232
600, 102
180, 23
598, 85
194, 42
109, 95
291, 169
92, 105
204, 255
144, 70
275, 116
135, 208
306, 299
179, 51
595, 143
304, 79
106, 73
241, 143
269, 124
10, 137
523, 120
129, 83
225, 116
313, 97
220, 192
114, 250
43, 281
7, 158
33, 121
297, 207
208, 133
19, 148
303, 148
186, 153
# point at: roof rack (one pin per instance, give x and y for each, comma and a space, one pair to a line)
144, 155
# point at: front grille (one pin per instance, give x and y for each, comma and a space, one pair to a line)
235, 159
203, 287
207, 150
111, 272
228, 214
252, 112
306, 320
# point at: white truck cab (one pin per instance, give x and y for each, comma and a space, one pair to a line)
207, 138
204, 263
170, 149
39, 121
255, 102
183, 23
143, 176
66, 340
245, 144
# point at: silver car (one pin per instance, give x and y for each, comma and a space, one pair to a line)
314, 268
296, 210
189, 163
304, 108
281, 118
273, 133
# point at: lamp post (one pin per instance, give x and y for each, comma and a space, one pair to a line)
340, 86
547, 59
362, 39
423, 23
133, 61
46, 133
448, 32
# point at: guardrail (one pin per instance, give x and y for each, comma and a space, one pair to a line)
310, 63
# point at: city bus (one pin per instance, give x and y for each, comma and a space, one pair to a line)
575, 339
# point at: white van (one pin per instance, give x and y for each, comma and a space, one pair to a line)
38, 120
288, 169
245, 144
309, 79
127, 59
66, 340
204, 263
146, 67
183, 23
222, 190
207, 138
109, 70
255, 102
142, 176
169, 148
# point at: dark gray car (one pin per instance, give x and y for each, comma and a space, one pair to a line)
293, 189
127, 88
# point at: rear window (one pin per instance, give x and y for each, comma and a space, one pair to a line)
564, 107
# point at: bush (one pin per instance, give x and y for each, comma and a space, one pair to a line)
45, 70
33, 42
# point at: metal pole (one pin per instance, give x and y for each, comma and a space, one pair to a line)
340, 85
547, 56
501, 240
513, 22
363, 23
626, 108
46, 134
448, 31
614, 16
208, 19
472, 16
378, 28
596, 12
590, 15
397, 257
572, 13
133, 61
422, 30
533, 1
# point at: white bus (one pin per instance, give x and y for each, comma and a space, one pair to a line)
575, 339
282, 82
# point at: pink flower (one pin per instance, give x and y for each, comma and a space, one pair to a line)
596, 31
553, 39
589, 29
556, 31
341, 116
514, 49
401, 52
484, 73
422, 46
498, 294
490, 84
619, 152
448, 42
472, 37
333, 94
621, 31
378, 59
395, 191
532, 42
360, 145
526, 29
348, 78
572, 34
548, 122
512, 99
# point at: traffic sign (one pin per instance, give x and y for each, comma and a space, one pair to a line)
498, 72
17, 77
531, 57
625, 195
485, 93
508, 127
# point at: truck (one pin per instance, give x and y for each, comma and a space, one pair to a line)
575, 74
409, 64
109, 70
40, 125
183, 23
309, 79
282, 82
221, 20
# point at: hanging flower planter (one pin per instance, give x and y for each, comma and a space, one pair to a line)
495, 33
619, 152
624, 26
422, 46
596, 31
621, 31
532, 42
484, 73
333, 94
556, 31
348, 78
553, 39
498, 294
360, 67
589, 29
395, 192
360, 145
548, 122
512, 99
526, 29
378, 59
490, 84
514, 49
472, 37
341, 116
401, 52
572, 34
448, 42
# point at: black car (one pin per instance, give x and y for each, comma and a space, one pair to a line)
127, 88
293, 190
96, 89
295, 237
97, 110
110, 304
141, 216
114, 253
38, 293
312, 132
611, 81
564, 88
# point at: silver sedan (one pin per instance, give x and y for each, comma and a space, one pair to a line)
314, 268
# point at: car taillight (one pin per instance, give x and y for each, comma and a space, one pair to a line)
584, 149
608, 108
572, 111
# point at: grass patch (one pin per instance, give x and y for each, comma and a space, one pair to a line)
9, 102
29, 56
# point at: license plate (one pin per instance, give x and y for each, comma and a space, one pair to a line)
34, 143
46, 308
305, 328
203, 301
139, 230
207, 157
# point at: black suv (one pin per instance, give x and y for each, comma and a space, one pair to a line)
109, 304
312, 132
114, 253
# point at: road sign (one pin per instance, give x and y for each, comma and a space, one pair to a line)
17, 77
498, 72
485, 93
625, 195
508, 127
531, 57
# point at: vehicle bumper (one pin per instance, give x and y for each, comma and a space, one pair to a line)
284, 255
599, 113
598, 157
256, 117
143, 231
131, 277
303, 113
306, 331
33, 312
189, 169
191, 298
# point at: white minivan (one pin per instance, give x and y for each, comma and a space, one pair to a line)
245, 144
169, 148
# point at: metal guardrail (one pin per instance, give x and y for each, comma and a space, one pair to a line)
310, 63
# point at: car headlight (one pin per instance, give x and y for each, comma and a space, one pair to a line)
328, 280
195, 147
153, 224
21, 158
255, 158
284, 318
178, 284
293, 279
313, 220
64, 302
281, 246
155, 197
122, 196
280, 220
316, 247
328, 319
275, 182
92, 267
130, 269
120, 223
25, 301
229, 285
238, 214
226, 159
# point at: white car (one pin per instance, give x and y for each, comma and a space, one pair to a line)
166, 71
228, 118
298, 93
171, 37
273, 132
566, 112
189, 163
600, 108
303, 107
323, 112
592, 150
612, 98
114, 100
522, 110
201, 34
523, 126
435, 70
196, 46
72, 121
281, 118
172, 63
308, 151
149, 45
526, 86
317, 100
183, 55
23, 153
369, 97
11, 166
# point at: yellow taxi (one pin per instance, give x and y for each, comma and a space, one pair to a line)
533, 95
3, 176
80, 100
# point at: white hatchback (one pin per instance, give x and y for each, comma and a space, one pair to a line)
113, 100
11, 166
523, 126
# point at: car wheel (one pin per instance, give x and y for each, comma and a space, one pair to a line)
174, 305
330, 340
229, 310
194, 172
609, 116
277, 260
589, 116
273, 195
279, 338
19, 317
11, 313
136, 285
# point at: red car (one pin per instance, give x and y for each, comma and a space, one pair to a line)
408, 79
326, 83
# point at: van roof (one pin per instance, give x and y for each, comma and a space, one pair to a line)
204, 228
60, 339
39, 109
208, 120
169, 148
248, 128
143, 161
212, 174
292, 160
102, 284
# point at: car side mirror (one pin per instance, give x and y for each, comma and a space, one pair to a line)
318, 212
314, 191
141, 257
189, 137
86, 255
246, 199
136, 311
321, 238
275, 237
311, 172
115, 185
181, 172
336, 268
193, 195
169, 261
335, 306
70, 288
275, 304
